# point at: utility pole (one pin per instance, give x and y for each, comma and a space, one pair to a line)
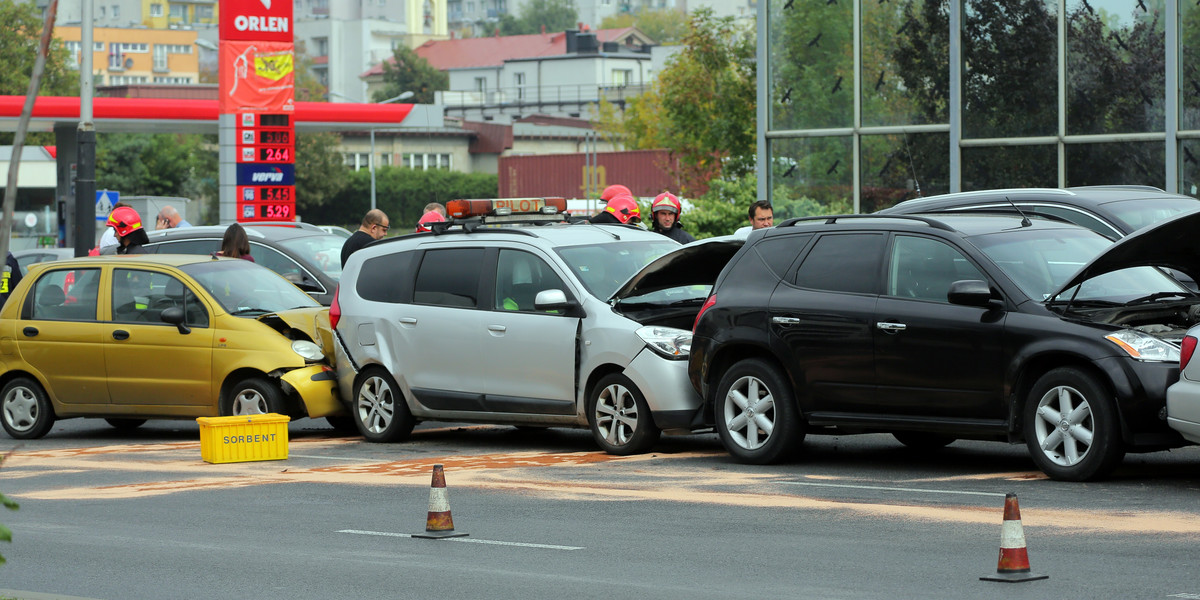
85, 180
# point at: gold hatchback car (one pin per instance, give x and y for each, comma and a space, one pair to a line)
131, 338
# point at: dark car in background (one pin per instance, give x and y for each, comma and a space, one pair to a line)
304, 255
1113, 211
949, 326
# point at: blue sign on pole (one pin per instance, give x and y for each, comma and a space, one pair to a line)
104, 203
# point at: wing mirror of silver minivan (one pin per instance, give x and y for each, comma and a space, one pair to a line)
970, 292
547, 300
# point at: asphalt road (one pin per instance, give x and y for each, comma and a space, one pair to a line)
126, 516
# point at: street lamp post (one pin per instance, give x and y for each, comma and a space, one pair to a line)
371, 159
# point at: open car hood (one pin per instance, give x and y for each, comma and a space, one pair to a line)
312, 321
697, 263
1172, 243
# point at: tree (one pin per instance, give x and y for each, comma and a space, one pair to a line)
702, 106
320, 174
19, 41
408, 72
148, 164
536, 15
307, 88
665, 26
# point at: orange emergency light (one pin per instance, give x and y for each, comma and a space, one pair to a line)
463, 209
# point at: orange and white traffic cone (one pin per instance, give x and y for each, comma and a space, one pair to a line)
1014, 560
439, 524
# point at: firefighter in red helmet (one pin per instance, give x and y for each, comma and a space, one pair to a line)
127, 224
622, 209
666, 209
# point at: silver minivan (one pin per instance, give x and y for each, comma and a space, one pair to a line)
561, 325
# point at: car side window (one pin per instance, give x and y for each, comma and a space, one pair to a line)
199, 246
520, 276
386, 278
65, 294
280, 263
779, 252
141, 296
924, 268
449, 277
843, 263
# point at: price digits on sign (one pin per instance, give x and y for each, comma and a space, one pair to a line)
276, 211
275, 194
275, 154
270, 136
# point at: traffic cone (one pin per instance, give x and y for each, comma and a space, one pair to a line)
1014, 561
439, 524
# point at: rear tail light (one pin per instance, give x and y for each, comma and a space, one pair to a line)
335, 311
707, 305
1185, 352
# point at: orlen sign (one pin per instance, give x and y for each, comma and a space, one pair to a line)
256, 20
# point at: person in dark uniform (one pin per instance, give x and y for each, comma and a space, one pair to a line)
620, 210
11, 277
665, 210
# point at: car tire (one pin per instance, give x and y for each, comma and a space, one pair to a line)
1084, 443
920, 440
753, 396
126, 424
254, 396
25, 410
620, 417
379, 410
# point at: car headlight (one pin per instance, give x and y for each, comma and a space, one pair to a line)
308, 350
1143, 346
667, 341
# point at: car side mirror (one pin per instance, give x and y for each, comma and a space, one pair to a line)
547, 300
970, 292
174, 316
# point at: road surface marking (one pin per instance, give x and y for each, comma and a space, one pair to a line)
467, 540
893, 489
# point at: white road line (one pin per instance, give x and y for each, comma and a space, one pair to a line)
893, 489
467, 540
336, 458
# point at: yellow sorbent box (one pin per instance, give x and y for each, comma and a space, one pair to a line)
244, 438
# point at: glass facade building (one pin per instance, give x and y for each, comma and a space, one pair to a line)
863, 103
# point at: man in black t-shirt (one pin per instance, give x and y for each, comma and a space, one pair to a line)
374, 226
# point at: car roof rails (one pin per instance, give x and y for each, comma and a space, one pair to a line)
833, 219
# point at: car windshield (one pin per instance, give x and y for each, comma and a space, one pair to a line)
602, 268
246, 289
1142, 212
1041, 261
323, 251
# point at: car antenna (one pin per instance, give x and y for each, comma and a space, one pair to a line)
911, 167
1025, 222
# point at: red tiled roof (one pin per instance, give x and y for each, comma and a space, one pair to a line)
493, 51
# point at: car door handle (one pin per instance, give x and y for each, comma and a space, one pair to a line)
30, 331
785, 320
120, 334
497, 328
408, 321
890, 326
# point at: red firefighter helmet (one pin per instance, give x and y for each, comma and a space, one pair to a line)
613, 191
624, 208
125, 220
432, 216
666, 201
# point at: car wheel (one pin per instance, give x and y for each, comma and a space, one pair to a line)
1071, 426
254, 396
126, 424
619, 417
342, 424
918, 440
756, 413
379, 410
25, 410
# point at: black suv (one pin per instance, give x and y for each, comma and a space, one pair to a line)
947, 326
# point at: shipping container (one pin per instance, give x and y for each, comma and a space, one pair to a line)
646, 173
